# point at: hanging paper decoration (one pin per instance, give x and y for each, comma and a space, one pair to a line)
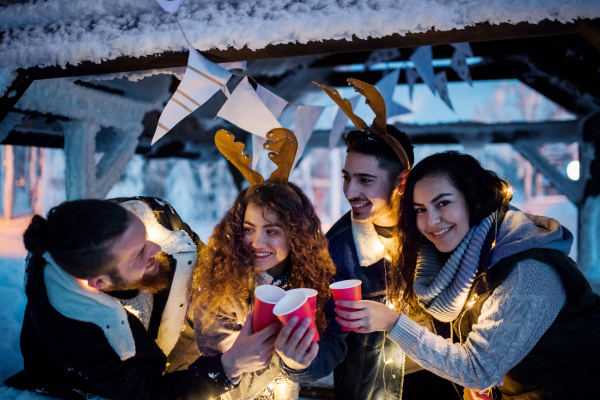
383, 55
275, 104
423, 58
386, 87
234, 65
339, 123
245, 110
306, 121
201, 81
411, 77
459, 65
464, 48
394, 109
169, 5
441, 83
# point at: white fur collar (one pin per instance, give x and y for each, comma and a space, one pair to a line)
173, 316
369, 247
179, 245
75, 300
171, 242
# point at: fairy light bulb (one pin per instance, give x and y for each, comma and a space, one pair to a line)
153, 234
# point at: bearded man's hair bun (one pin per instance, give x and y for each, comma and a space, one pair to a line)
36, 236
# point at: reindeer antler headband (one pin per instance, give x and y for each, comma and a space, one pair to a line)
283, 148
377, 104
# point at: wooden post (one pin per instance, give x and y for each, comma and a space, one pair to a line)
335, 189
9, 181
588, 257
84, 177
80, 162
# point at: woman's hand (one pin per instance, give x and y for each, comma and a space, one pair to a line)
250, 352
370, 316
292, 348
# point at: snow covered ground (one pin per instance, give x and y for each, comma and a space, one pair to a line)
13, 300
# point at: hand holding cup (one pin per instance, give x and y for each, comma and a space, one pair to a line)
367, 316
295, 343
348, 290
251, 351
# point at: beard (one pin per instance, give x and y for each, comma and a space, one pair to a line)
392, 204
151, 283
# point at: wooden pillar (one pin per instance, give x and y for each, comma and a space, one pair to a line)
84, 177
8, 196
335, 188
80, 162
33, 176
588, 258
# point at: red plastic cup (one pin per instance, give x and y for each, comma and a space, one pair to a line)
312, 298
265, 298
349, 290
295, 304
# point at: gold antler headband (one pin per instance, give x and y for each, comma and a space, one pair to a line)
283, 148
377, 104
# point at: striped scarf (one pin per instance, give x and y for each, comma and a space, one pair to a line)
442, 289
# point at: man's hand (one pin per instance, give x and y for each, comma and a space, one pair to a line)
370, 316
292, 348
250, 352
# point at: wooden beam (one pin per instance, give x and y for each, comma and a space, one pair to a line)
589, 33
485, 71
551, 131
481, 32
14, 93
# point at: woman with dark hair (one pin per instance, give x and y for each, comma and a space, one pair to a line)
271, 236
525, 320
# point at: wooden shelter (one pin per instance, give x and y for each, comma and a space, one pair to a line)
560, 60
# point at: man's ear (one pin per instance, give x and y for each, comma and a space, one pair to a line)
401, 181
101, 282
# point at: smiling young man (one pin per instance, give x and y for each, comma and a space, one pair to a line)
362, 244
108, 287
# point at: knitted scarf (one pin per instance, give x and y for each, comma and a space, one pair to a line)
442, 289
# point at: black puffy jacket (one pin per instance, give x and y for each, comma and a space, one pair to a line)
72, 359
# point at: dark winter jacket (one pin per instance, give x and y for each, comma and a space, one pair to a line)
359, 362
72, 359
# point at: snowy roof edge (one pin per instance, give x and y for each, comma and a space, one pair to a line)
59, 32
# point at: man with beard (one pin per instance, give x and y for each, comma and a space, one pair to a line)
108, 287
362, 244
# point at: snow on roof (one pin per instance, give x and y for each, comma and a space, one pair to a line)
57, 32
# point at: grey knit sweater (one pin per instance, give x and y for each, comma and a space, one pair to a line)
512, 319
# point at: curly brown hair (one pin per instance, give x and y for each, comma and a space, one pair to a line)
484, 193
223, 279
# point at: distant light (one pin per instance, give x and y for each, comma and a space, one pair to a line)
439, 62
573, 170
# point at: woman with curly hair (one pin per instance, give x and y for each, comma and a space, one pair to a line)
271, 236
525, 320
